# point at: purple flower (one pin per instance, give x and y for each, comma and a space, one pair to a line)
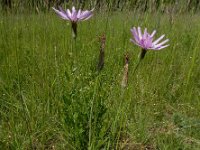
74, 16
146, 40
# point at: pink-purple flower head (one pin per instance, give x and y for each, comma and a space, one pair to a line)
74, 15
146, 40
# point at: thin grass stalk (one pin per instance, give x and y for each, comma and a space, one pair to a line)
188, 92
108, 16
56, 65
101, 52
23, 103
125, 74
91, 113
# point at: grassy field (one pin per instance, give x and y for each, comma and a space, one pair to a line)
52, 97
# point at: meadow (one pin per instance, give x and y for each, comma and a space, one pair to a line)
53, 97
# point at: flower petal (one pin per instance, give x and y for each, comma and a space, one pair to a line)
145, 34
69, 14
133, 41
162, 43
85, 14
162, 47
88, 17
79, 13
158, 40
153, 33
74, 14
139, 33
61, 14
73, 10
135, 34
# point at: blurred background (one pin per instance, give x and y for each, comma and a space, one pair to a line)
176, 6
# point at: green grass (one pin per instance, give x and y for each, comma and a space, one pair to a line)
52, 97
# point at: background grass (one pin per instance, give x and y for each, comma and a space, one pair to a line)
38, 6
52, 97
